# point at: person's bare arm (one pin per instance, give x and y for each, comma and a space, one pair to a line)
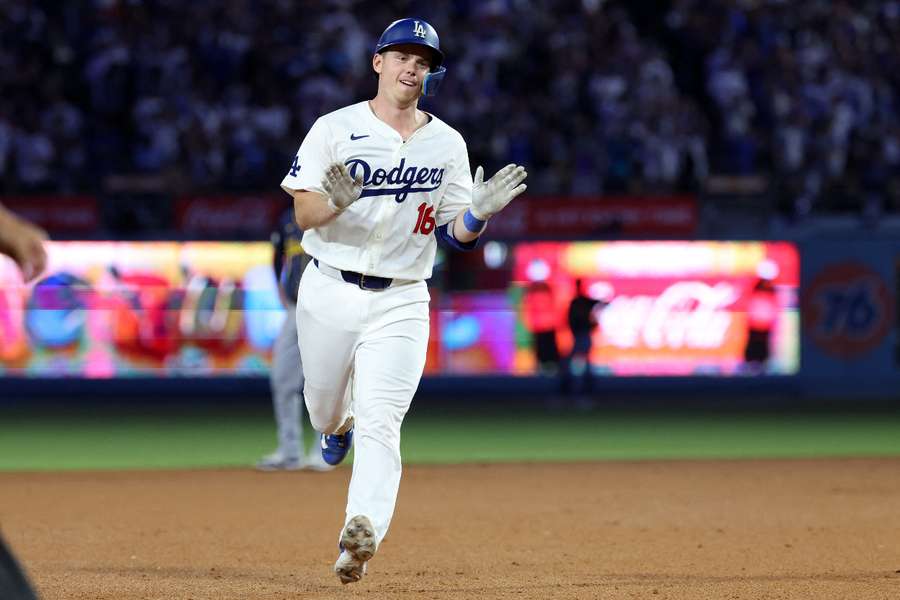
311, 209
24, 243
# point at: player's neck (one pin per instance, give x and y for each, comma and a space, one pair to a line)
403, 119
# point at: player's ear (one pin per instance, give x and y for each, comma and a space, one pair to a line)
377, 61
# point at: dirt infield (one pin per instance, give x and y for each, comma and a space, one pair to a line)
691, 530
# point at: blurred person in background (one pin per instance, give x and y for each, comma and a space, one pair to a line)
577, 376
539, 315
762, 315
286, 377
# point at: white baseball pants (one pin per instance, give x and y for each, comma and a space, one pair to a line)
363, 354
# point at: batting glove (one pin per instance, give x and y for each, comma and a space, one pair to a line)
491, 196
341, 189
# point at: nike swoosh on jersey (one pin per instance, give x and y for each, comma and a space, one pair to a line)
353, 138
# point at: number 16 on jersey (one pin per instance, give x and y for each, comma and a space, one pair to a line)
425, 223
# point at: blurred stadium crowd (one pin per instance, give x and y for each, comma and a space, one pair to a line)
594, 96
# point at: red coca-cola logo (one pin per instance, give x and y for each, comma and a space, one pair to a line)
686, 314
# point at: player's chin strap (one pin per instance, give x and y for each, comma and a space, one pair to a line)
432, 81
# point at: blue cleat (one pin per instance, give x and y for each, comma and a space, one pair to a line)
335, 446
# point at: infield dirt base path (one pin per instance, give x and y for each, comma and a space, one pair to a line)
687, 530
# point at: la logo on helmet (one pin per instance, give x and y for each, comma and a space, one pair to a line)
418, 30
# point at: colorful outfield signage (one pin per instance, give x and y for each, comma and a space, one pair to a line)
120, 309
200, 309
663, 308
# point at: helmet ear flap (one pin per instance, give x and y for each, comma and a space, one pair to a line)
432, 81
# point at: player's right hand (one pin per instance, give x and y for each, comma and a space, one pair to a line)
342, 189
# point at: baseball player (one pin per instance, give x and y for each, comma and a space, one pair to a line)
375, 184
286, 378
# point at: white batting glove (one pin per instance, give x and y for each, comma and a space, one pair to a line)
341, 189
491, 196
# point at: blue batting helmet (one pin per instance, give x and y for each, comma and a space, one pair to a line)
421, 33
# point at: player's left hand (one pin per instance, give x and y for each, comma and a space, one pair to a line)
491, 196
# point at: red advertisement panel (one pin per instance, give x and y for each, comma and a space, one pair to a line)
64, 214
661, 308
250, 215
550, 217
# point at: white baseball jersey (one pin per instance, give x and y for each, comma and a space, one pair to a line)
409, 188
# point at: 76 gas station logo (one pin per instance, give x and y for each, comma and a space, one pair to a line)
847, 309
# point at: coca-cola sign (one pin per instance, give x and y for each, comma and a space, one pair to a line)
667, 308
686, 314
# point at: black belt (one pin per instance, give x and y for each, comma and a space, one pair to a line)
365, 282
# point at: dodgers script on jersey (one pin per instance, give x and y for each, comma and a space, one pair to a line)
409, 189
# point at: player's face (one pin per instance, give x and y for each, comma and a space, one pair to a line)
401, 70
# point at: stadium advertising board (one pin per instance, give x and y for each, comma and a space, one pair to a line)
111, 309
662, 308
200, 309
540, 217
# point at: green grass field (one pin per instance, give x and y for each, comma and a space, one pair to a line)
114, 439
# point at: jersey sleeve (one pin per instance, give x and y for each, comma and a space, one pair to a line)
314, 155
458, 196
